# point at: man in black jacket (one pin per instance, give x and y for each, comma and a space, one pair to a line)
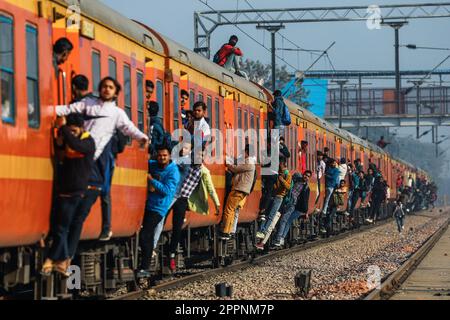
77, 153
284, 151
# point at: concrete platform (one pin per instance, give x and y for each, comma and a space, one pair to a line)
431, 279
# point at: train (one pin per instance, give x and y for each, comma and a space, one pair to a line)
106, 43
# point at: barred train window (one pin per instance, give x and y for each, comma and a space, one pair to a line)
32, 77
140, 96
176, 106
7, 99
96, 71
191, 98
217, 122
160, 98
112, 67
127, 89
209, 108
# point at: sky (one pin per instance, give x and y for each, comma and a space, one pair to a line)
356, 48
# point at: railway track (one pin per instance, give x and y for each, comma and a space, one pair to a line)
396, 279
174, 283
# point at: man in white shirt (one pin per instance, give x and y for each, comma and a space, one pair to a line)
103, 117
202, 132
320, 172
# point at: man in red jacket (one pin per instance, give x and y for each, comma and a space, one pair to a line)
229, 56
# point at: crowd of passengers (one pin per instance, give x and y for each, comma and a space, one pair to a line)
92, 130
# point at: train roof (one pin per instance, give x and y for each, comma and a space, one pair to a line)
98, 11
186, 56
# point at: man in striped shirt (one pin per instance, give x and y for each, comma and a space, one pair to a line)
180, 207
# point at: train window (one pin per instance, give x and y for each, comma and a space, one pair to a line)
257, 138
127, 89
245, 120
239, 119
192, 98
140, 96
217, 121
33, 77
252, 126
96, 71
7, 99
112, 67
200, 97
176, 106
209, 108
160, 98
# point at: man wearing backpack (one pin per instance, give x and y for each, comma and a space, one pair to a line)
280, 113
229, 56
156, 129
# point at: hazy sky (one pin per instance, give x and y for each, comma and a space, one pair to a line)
356, 46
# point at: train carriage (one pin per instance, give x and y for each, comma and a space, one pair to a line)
108, 44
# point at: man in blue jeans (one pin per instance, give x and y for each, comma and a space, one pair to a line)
281, 188
331, 183
77, 154
299, 206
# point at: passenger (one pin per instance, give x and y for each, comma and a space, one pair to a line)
357, 190
77, 164
331, 183
399, 183
326, 155
297, 207
350, 185
369, 181
149, 89
320, 172
61, 52
180, 206
105, 119
343, 168
202, 128
184, 100
163, 178
198, 201
156, 129
399, 216
229, 56
278, 107
303, 155
268, 182
378, 197
80, 88
336, 204
184, 164
382, 144
189, 122
281, 188
242, 184
358, 165
284, 151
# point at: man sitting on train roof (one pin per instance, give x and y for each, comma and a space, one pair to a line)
229, 57
105, 118
78, 149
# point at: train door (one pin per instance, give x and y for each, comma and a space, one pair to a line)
66, 24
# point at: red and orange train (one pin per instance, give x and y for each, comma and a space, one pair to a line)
107, 43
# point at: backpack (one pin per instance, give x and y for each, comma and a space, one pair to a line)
216, 58
286, 118
119, 142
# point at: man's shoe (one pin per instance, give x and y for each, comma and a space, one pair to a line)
260, 235
143, 274
224, 236
369, 220
262, 218
346, 214
106, 236
259, 246
323, 230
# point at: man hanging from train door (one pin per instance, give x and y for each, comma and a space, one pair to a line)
105, 117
